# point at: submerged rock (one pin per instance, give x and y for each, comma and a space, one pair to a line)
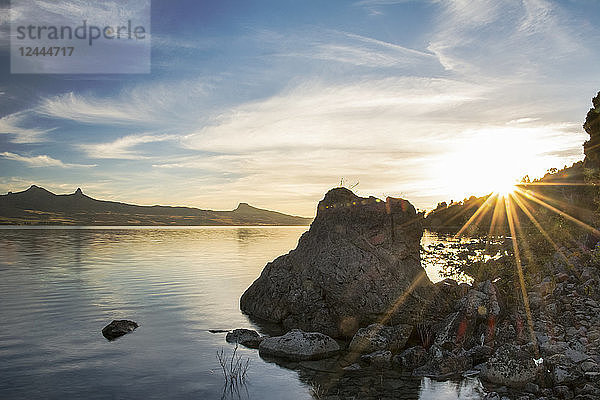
247, 337
298, 345
118, 328
359, 263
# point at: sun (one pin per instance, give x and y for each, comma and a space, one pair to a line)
504, 187
488, 161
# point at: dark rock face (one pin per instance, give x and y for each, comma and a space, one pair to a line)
591, 148
358, 264
298, 345
118, 328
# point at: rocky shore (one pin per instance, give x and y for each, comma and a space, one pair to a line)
356, 277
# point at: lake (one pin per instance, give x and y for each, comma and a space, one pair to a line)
59, 286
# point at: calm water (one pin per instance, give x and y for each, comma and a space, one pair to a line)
59, 287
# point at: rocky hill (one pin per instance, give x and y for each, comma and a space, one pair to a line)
37, 205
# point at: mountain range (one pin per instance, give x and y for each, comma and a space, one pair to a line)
38, 206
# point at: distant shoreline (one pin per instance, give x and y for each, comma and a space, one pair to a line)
40, 207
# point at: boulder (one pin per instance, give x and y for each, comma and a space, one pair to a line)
563, 370
352, 367
563, 392
378, 359
491, 396
247, 337
442, 364
358, 263
479, 354
474, 320
510, 365
298, 346
589, 366
379, 337
531, 387
118, 328
411, 358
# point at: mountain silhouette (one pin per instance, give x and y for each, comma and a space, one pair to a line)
38, 206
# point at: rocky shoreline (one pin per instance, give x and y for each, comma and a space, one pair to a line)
354, 278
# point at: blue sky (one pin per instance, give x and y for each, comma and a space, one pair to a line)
273, 102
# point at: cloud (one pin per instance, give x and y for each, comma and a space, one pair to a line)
381, 2
397, 136
338, 116
155, 105
75, 11
122, 148
487, 37
88, 110
523, 120
41, 161
357, 50
12, 124
69, 12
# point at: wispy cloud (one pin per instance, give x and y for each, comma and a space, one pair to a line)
381, 2
487, 37
74, 11
523, 120
41, 161
12, 124
161, 104
68, 12
349, 48
88, 110
123, 148
338, 116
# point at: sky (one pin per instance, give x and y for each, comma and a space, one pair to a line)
275, 102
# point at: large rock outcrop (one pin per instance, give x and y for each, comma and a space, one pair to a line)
591, 148
358, 264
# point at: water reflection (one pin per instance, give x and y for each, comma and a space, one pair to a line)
59, 287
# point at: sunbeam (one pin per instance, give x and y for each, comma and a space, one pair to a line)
481, 209
511, 226
535, 222
532, 197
